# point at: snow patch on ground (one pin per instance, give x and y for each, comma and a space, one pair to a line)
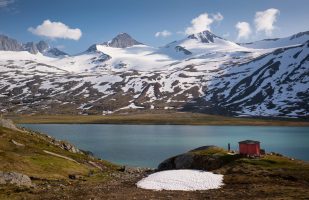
185, 180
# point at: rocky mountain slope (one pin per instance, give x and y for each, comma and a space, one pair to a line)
9, 44
202, 73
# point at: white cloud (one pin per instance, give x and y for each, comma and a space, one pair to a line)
203, 22
243, 29
55, 30
164, 33
218, 17
264, 20
199, 24
5, 3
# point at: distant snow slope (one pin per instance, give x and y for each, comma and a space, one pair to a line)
297, 39
202, 72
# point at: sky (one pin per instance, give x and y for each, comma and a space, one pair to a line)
74, 25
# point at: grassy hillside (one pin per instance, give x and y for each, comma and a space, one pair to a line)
31, 154
270, 177
155, 118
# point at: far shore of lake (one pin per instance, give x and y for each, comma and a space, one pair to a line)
170, 118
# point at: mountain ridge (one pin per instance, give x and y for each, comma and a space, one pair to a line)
10, 44
200, 74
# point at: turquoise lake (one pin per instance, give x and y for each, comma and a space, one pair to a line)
148, 145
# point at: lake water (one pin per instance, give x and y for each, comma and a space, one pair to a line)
148, 145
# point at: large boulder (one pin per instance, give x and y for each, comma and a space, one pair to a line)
202, 158
15, 178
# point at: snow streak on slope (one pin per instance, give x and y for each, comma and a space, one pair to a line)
202, 72
275, 84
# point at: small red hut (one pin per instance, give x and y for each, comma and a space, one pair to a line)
249, 148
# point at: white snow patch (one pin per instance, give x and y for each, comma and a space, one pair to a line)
185, 180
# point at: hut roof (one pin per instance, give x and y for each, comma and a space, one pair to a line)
249, 142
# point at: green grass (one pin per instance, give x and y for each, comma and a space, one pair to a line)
211, 151
273, 162
32, 161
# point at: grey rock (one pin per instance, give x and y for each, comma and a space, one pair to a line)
69, 147
55, 52
122, 40
183, 161
204, 37
30, 47
15, 178
92, 48
42, 46
182, 49
9, 44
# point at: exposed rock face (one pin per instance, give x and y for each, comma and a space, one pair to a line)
9, 44
182, 49
56, 52
92, 48
66, 146
204, 37
42, 46
122, 40
196, 159
15, 178
30, 47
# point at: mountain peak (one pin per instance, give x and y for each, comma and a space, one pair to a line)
122, 40
9, 44
204, 36
42, 46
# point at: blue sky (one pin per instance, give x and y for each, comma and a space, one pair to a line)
101, 20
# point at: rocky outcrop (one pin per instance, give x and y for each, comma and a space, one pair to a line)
56, 52
7, 123
9, 44
204, 37
31, 47
122, 40
15, 178
203, 158
42, 46
66, 146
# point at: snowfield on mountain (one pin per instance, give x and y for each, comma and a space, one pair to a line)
201, 73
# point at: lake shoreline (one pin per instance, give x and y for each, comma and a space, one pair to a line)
56, 176
174, 118
121, 143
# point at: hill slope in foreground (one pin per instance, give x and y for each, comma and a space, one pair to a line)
57, 172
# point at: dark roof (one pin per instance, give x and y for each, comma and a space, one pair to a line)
249, 142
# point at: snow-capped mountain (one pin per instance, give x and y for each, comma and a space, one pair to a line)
122, 40
297, 39
202, 72
9, 44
